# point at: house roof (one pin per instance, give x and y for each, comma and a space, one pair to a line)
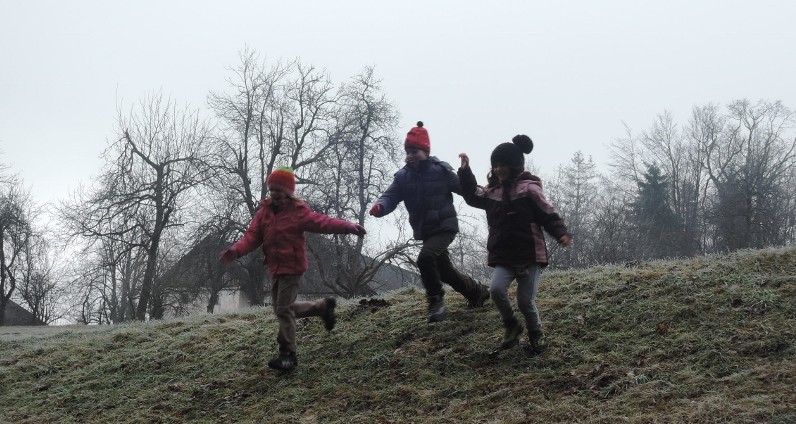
15, 314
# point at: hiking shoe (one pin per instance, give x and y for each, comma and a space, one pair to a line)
285, 361
329, 317
478, 300
537, 343
513, 330
436, 309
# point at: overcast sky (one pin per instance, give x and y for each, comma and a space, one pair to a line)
569, 74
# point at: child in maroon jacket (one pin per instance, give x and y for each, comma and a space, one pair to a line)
516, 211
279, 226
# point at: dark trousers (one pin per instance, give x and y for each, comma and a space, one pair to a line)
435, 267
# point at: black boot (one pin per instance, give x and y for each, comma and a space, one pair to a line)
436, 308
481, 295
513, 330
537, 343
329, 317
285, 361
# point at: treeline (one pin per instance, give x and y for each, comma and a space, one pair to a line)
722, 181
141, 242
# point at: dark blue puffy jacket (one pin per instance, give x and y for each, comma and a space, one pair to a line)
427, 193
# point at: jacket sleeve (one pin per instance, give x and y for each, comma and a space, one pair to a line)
452, 179
252, 238
315, 222
390, 199
548, 218
470, 189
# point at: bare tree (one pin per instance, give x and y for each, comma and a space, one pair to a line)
749, 166
468, 250
106, 272
338, 141
277, 116
351, 174
151, 170
613, 239
573, 192
16, 233
728, 174
703, 134
38, 288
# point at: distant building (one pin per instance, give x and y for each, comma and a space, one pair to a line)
388, 278
201, 266
17, 315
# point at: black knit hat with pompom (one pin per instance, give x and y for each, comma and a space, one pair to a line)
511, 154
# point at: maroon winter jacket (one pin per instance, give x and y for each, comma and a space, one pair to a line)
516, 221
281, 233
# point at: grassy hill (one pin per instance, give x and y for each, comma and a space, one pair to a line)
702, 340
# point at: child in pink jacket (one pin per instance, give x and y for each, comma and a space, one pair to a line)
517, 212
279, 226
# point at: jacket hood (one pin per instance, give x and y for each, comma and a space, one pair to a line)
526, 178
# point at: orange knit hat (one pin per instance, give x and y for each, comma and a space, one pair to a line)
282, 179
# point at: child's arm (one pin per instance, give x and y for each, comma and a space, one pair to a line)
470, 185
454, 185
315, 222
548, 218
250, 240
388, 201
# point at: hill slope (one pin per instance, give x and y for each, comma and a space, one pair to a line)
702, 340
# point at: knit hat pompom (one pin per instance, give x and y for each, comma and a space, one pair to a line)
282, 179
523, 142
417, 138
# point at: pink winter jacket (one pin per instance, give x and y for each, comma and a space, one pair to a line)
281, 233
515, 220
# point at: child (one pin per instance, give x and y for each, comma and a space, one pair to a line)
425, 185
516, 210
279, 226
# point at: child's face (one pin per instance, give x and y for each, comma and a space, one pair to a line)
414, 156
278, 197
501, 171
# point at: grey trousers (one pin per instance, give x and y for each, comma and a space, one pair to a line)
527, 287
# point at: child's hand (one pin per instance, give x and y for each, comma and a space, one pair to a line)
358, 230
465, 160
565, 240
376, 210
228, 255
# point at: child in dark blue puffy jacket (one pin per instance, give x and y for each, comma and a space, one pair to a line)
426, 186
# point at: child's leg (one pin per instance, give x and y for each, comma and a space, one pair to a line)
527, 287
314, 308
499, 290
433, 247
472, 290
283, 295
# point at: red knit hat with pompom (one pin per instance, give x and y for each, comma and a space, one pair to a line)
282, 179
417, 138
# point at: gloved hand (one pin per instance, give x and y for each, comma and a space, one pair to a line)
357, 229
228, 255
376, 210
